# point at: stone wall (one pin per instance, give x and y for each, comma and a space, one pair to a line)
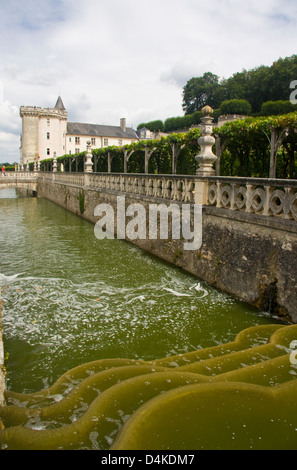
250, 256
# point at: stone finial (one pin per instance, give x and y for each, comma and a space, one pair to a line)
206, 157
88, 162
207, 111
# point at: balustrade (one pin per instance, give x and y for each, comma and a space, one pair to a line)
273, 198
266, 197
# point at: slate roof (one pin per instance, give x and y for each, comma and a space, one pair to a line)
98, 130
59, 104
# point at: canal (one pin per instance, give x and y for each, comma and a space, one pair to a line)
69, 298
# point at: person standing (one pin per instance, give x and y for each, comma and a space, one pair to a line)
3, 171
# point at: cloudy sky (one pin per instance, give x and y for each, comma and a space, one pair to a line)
111, 59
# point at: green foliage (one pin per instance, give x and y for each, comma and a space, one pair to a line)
7, 167
247, 148
235, 106
153, 126
201, 91
183, 122
274, 108
256, 86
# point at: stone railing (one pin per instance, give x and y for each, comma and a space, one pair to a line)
169, 187
267, 197
72, 179
20, 175
174, 188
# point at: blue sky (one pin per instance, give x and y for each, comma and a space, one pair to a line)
113, 59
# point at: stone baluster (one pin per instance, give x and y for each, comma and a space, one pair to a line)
206, 157
55, 166
88, 162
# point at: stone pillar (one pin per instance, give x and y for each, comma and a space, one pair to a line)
55, 166
109, 160
206, 157
88, 161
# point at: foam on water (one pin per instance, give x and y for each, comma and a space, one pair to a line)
70, 298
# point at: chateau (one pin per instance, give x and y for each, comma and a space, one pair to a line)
46, 133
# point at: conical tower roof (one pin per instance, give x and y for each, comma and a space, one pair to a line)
60, 105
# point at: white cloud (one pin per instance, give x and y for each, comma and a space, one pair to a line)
130, 59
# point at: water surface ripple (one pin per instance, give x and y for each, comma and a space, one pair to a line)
70, 298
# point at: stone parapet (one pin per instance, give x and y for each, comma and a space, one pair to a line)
271, 198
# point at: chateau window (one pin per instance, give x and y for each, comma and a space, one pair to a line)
48, 136
93, 141
77, 151
77, 140
69, 152
120, 142
69, 139
105, 142
48, 122
48, 151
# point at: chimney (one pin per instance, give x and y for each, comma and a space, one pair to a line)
123, 124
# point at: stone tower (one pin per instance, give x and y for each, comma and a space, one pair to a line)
43, 132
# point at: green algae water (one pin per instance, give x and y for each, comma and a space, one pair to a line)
70, 299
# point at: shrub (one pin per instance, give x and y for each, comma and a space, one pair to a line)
241, 107
276, 108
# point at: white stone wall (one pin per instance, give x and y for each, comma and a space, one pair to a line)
52, 136
30, 138
74, 146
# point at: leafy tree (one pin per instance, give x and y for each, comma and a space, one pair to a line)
201, 91
256, 86
284, 71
